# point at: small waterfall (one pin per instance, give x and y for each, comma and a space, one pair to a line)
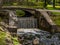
27, 22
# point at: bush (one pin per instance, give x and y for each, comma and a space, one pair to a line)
2, 38
15, 41
40, 3
32, 4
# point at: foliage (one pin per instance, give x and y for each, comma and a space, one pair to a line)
40, 3
56, 13
15, 41
34, 3
2, 38
20, 13
0, 19
7, 4
15, 3
56, 17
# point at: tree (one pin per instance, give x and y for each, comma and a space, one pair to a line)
53, 3
45, 3
1, 3
37, 0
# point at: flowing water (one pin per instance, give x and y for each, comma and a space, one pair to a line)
27, 22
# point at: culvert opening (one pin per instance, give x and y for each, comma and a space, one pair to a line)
23, 13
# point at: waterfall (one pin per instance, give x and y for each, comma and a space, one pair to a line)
27, 22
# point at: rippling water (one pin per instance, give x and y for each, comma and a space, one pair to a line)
45, 38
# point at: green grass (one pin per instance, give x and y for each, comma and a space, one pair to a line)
0, 19
50, 7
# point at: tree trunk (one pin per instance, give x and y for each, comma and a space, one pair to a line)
1, 3
53, 3
45, 4
27, 2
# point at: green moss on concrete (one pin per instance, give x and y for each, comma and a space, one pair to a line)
20, 13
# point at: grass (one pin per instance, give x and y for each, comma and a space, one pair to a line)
50, 7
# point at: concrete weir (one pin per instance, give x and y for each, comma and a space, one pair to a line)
41, 20
27, 22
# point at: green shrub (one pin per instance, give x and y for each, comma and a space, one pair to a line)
40, 3
15, 41
2, 38
32, 4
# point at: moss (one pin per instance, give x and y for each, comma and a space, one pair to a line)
20, 13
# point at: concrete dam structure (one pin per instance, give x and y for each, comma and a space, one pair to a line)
32, 23
27, 22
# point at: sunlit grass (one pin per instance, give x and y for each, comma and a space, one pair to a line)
50, 7
57, 6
